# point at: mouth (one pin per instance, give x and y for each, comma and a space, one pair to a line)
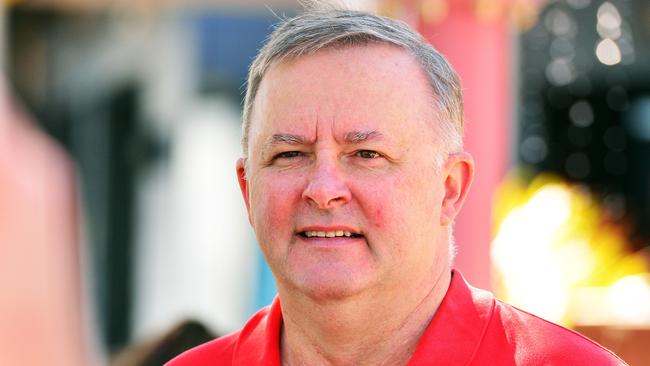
329, 234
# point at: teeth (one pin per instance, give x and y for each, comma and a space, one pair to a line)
327, 234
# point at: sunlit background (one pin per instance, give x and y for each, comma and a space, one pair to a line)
146, 96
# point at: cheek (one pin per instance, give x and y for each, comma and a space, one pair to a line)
273, 202
400, 202
381, 200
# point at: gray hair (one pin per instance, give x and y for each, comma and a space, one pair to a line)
317, 29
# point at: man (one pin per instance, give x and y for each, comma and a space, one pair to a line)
352, 174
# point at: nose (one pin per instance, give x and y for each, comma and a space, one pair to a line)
326, 188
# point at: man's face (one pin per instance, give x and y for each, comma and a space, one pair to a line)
342, 187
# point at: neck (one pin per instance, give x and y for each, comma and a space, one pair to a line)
362, 330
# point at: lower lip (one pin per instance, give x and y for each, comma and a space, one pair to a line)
327, 242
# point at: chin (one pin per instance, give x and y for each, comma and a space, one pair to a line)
330, 288
330, 293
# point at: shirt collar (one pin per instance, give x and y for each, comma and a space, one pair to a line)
452, 338
457, 329
260, 345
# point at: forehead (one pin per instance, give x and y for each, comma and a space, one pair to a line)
358, 88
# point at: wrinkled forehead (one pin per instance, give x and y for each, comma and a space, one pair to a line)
350, 82
375, 87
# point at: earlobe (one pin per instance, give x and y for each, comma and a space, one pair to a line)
459, 173
243, 185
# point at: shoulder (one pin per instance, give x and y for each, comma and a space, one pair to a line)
471, 326
219, 351
534, 340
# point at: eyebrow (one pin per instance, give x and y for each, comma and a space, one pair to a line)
350, 137
285, 138
360, 136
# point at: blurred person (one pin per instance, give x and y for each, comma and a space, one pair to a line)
40, 297
353, 172
158, 350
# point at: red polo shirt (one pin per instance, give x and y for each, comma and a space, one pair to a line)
471, 327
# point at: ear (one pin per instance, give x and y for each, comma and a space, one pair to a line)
459, 173
243, 186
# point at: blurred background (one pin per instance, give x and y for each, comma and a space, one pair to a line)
145, 99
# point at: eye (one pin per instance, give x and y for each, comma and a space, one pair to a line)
288, 155
367, 154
